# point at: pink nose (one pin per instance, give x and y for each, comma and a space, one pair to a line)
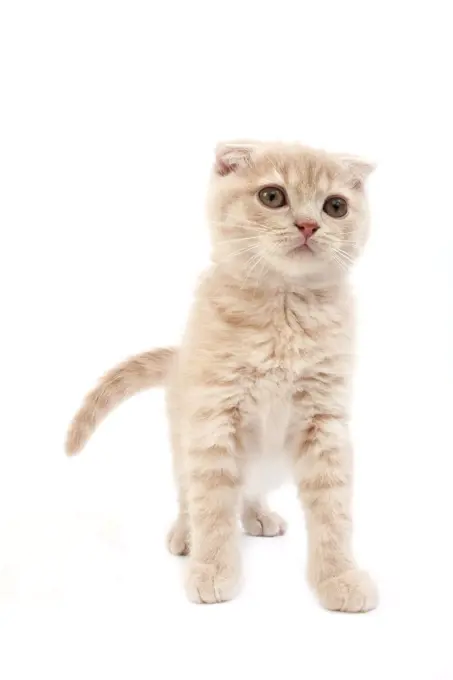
307, 228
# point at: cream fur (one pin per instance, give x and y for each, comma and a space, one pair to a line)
259, 390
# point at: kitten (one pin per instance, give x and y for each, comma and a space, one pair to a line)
260, 387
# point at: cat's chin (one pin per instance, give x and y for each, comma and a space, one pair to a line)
304, 264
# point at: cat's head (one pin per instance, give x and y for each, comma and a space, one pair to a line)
287, 208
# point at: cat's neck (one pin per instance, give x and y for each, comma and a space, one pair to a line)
273, 282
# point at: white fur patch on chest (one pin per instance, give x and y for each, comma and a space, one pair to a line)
264, 473
266, 460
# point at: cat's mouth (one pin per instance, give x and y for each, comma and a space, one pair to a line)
301, 249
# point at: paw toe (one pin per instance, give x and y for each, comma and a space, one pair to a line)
264, 524
178, 539
353, 591
211, 583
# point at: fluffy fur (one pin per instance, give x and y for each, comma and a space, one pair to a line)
260, 387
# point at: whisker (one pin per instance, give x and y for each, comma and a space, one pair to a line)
346, 263
340, 263
339, 242
257, 226
241, 222
236, 253
344, 254
255, 259
265, 267
260, 259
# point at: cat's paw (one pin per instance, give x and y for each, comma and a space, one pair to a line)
178, 538
263, 523
211, 583
352, 591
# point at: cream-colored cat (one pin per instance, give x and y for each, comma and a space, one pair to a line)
260, 387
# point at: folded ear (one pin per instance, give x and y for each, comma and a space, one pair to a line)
229, 156
357, 169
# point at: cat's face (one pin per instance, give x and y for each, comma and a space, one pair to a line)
287, 208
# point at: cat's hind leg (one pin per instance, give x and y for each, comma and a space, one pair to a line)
178, 538
259, 520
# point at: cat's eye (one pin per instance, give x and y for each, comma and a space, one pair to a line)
335, 206
272, 197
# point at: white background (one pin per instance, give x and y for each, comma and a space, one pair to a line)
109, 114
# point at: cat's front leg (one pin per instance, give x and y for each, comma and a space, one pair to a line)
323, 477
213, 494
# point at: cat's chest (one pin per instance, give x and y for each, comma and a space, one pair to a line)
266, 463
295, 337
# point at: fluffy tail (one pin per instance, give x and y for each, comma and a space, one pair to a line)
145, 370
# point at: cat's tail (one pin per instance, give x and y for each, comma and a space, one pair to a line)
149, 369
